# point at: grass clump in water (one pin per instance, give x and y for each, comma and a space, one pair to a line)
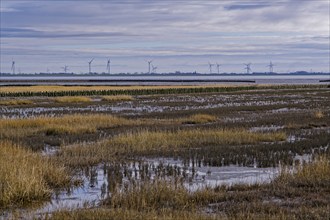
151, 196
313, 175
200, 119
144, 142
27, 177
168, 140
318, 114
112, 98
72, 99
68, 124
16, 102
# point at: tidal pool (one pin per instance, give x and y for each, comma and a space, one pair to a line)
101, 180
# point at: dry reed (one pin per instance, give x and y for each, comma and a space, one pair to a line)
112, 98
16, 102
318, 114
166, 140
67, 124
127, 214
315, 174
199, 119
26, 176
72, 99
162, 141
50, 88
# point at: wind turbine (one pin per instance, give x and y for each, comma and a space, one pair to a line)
154, 68
108, 66
90, 65
13, 67
248, 67
271, 65
149, 63
210, 66
65, 68
218, 67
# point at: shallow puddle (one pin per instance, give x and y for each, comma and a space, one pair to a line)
100, 181
266, 128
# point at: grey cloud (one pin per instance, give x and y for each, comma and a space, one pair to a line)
246, 6
30, 33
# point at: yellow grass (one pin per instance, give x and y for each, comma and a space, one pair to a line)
314, 174
318, 114
162, 141
88, 88
117, 98
26, 176
128, 214
151, 195
200, 119
16, 102
191, 138
72, 99
67, 124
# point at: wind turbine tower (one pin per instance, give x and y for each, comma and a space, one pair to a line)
90, 65
218, 67
271, 65
248, 67
210, 66
13, 67
154, 68
108, 66
65, 68
149, 64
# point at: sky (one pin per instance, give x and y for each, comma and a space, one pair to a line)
178, 35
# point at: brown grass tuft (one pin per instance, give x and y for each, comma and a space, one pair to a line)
26, 176
16, 102
163, 141
200, 119
315, 174
112, 98
72, 99
318, 114
68, 124
128, 214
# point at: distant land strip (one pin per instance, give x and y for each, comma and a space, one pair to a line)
82, 81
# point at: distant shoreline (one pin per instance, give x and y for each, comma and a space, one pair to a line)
105, 81
302, 73
161, 79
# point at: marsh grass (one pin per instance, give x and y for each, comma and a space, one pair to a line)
128, 214
112, 98
151, 196
199, 119
143, 142
16, 102
67, 124
26, 177
171, 140
318, 114
312, 175
72, 99
49, 88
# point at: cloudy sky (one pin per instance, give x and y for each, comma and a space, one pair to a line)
178, 35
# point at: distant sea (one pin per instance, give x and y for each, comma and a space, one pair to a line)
143, 79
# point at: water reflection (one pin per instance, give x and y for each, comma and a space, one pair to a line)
100, 181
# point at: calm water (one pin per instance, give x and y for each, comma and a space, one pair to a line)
260, 79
